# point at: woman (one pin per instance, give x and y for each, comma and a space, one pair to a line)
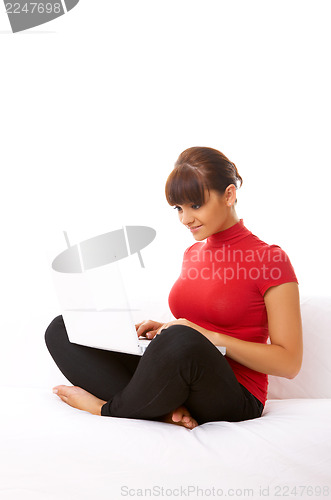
234, 291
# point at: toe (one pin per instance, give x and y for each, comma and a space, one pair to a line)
62, 390
177, 416
58, 387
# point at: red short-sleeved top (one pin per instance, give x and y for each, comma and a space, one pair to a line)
221, 288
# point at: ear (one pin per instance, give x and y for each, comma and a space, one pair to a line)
230, 195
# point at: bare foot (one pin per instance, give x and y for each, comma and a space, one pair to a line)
181, 416
79, 398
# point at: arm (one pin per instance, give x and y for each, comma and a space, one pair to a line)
283, 357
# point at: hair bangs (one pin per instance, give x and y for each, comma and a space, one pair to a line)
185, 184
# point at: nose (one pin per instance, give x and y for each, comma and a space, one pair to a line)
186, 217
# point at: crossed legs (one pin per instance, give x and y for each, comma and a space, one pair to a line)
180, 368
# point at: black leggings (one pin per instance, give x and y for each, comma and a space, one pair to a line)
179, 367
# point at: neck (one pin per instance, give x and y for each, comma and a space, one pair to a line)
231, 220
231, 235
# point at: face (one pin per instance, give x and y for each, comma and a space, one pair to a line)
216, 214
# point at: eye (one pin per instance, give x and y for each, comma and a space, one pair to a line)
178, 208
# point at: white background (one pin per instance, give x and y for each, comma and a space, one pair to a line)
96, 106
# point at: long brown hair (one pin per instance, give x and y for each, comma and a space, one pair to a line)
198, 168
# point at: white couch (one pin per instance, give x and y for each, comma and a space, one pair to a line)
52, 451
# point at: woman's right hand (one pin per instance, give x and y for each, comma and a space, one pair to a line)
148, 328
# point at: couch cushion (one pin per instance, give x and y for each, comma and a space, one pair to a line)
314, 378
51, 451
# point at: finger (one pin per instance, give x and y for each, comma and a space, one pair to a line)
141, 328
140, 323
163, 327
137, 325
151, 334
144, 326
157, 332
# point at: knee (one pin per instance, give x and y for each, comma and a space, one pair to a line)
181, 340
54, 331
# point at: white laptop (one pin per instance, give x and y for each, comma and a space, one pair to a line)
109, 329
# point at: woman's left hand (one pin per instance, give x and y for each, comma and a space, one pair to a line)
180, 321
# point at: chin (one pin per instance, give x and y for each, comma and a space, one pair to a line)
199, 237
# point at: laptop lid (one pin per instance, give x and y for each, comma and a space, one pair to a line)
91, 290
109, 329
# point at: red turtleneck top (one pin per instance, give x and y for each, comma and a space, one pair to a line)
221, 288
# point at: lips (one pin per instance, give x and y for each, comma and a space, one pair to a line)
195, 228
